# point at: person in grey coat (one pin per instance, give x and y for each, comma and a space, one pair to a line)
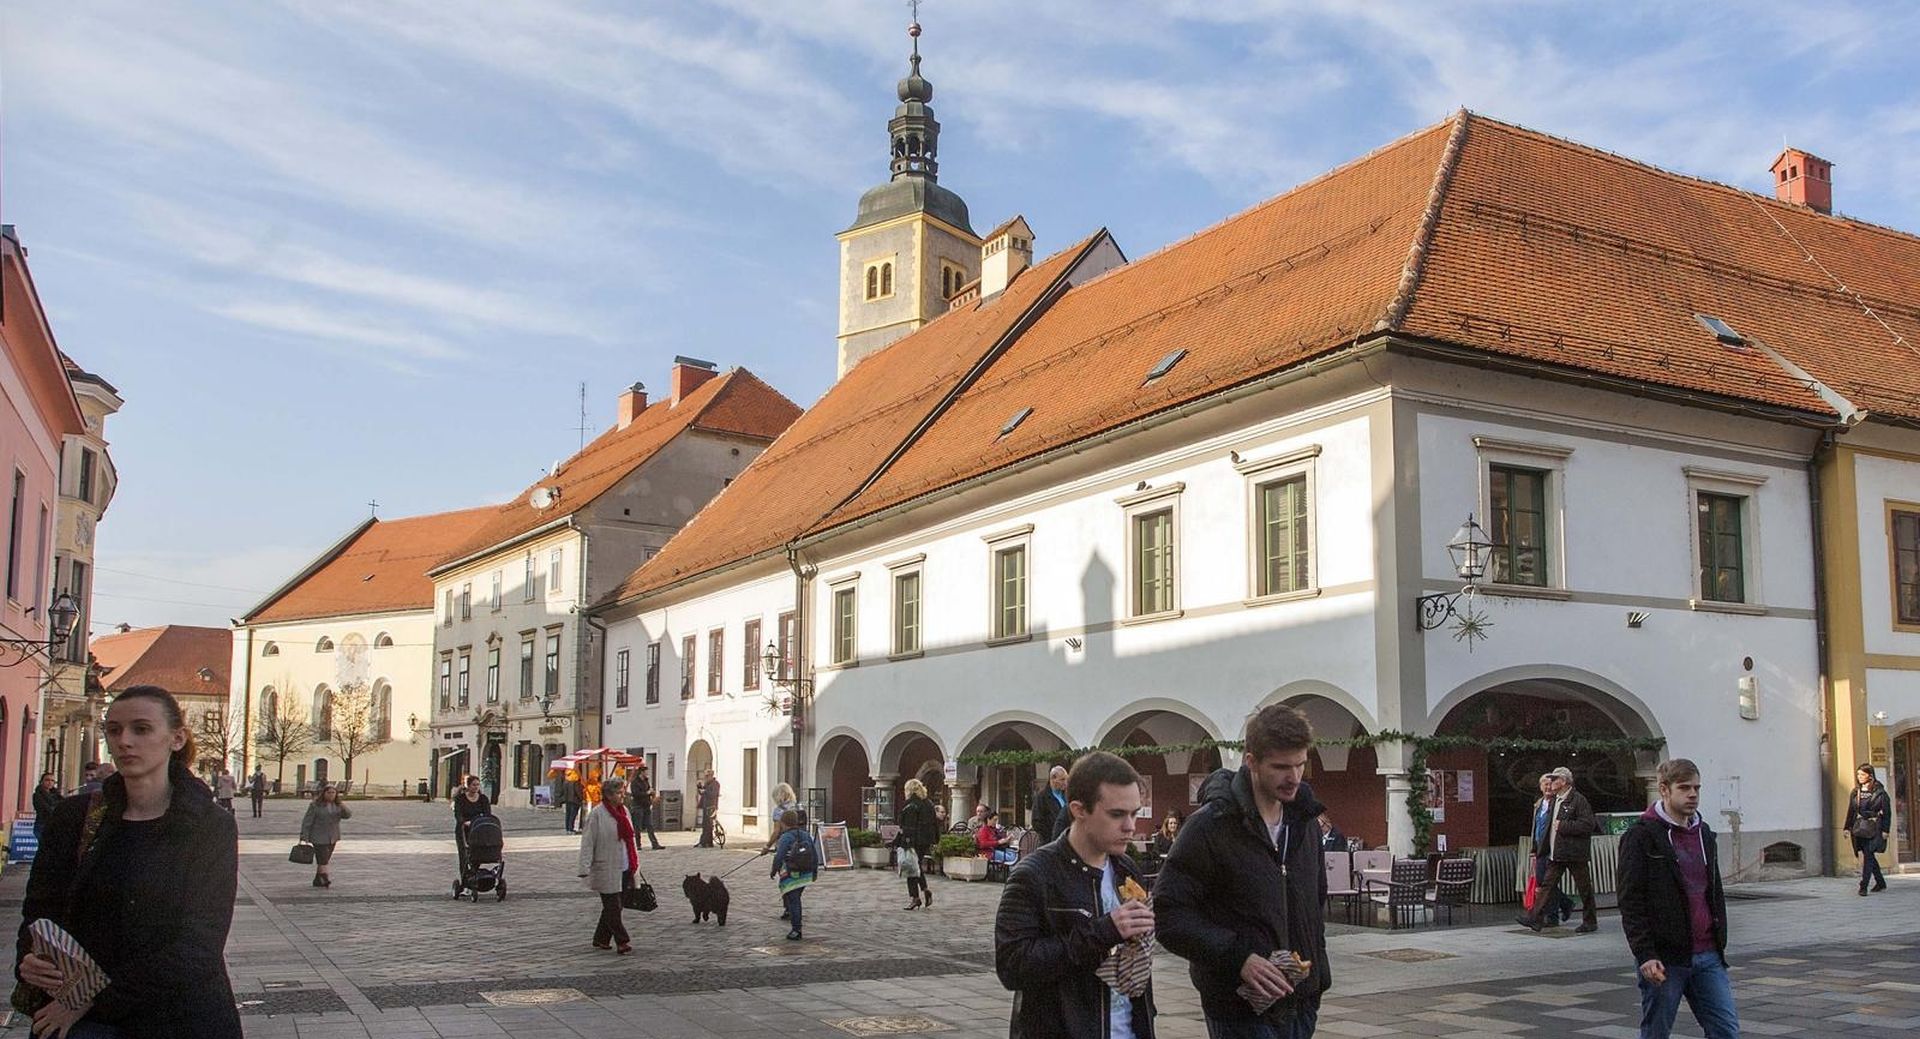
609, 858
321, 828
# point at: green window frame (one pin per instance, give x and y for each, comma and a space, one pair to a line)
1010, 592
906, 612
1723, 560
1153, 563
1517, 511
1284, 536
844, 643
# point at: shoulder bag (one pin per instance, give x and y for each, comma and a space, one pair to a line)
640, 897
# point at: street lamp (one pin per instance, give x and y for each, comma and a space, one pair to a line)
802, 692
1470, 549
60, 617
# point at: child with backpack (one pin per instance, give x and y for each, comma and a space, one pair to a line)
796, 863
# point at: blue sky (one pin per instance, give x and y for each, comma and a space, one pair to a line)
344, 250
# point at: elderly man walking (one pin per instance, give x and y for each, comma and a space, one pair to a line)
1049, 814
1570, 829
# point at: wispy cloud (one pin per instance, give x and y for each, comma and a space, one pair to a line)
391, 347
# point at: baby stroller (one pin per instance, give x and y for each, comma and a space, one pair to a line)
486, 870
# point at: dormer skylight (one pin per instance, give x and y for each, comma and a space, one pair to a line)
1166, 364
1721, 330
1014, 422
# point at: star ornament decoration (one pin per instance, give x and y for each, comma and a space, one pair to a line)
1471, 625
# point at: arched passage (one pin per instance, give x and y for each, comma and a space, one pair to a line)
1173, 779
699, 760
1008, 789
913, 753
843, 770
1544, 704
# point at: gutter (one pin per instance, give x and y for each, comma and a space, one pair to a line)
584, 649
246, 701
802, 580
1824, 759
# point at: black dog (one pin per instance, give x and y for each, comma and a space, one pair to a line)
709, 897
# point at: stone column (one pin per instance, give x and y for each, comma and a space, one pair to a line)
1650, 780
886, 781
960, 800
1399, 820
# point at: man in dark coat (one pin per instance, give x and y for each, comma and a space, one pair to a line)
1048, 816
1569, 837
709, 802
1064, 915
46, 797
1244, 882
640, 799
1674, 910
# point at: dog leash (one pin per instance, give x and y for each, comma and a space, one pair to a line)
741, 866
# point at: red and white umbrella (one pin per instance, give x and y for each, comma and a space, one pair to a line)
605, 755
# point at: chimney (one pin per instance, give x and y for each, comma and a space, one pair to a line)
1007, 251
632, 403
689, 374
1803, 179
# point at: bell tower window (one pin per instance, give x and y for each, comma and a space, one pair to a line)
879, 279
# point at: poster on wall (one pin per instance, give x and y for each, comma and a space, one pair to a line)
1463, 787
835, 845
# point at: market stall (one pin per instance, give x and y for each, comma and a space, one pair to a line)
591, 767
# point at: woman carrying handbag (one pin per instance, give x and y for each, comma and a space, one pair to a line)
609, 857
1868, 813
321, 828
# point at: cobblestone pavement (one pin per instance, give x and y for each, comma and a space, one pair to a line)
388, 952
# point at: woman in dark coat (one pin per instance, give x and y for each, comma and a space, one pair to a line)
469, 804
1869, 808
150, 896
919, 831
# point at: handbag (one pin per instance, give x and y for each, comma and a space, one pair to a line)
1866, 830
640, 897
1533, 890
302, 853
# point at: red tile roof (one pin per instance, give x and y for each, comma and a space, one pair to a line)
170, 657
1471, 234
737, 403
380, 567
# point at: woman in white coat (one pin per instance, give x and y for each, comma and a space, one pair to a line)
608, 858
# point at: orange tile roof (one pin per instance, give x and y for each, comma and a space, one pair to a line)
1472, 234
737, 403
378, 568
170, 657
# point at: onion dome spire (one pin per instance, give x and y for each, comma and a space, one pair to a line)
915, 132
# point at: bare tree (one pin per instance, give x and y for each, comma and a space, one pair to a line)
218, 739
357, 724
282, 735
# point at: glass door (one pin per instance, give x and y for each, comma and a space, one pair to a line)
1906, 782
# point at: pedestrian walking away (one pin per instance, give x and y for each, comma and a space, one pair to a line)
257, 790
709, 800
642, 800
796, 864
1868, 814
141, 874
1073, 937
609, 857
321, 828
567, 793
46, 797
1048, 816
1674, 911
469, 804
224, 787
919, 832
1570, 833
1561, 907
1240, 895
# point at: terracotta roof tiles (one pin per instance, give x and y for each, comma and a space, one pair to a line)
380, 568
170, 657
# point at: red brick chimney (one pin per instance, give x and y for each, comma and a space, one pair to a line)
689, 374
632, 402
1803, 179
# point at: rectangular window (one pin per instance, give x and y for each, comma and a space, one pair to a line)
1906, 567
77, 573
446, 683
16, 534
40, 563
750, 669
622, 667
87, 463
653, 672
499, 581
906, 612
789, 634
1722, 548
1517, 514
716, 651
448, 621
1153, 563
553, 666
843, 627
526, 667
493, 675
553, 571
527, 589
750, 777
686, 668
1284, 541
466, 679
1010, 592
466, 601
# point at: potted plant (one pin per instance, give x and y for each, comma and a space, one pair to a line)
869, 849
960, 859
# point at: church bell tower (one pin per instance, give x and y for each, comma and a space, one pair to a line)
911, 246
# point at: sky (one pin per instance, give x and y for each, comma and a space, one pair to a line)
336, 252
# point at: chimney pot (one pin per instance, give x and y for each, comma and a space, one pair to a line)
632, 402
1007, 251
1802, 178
689, 374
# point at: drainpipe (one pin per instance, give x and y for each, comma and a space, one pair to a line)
584, 647
1822, 654
802, 577
246, 703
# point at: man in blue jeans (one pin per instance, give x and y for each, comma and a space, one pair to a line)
1674, 911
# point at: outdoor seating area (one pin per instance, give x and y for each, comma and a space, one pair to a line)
1408, 890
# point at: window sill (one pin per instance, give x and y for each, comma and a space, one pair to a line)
1527, 591
1009, 640
1277, 597
840, 665
1153, 618
910, 655
1741, 608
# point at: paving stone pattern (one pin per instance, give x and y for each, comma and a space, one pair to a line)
387, 952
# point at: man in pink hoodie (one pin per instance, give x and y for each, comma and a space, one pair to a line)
1674, 911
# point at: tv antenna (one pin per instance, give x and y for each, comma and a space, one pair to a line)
583, 416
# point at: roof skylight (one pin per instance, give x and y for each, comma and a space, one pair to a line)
1721, 330
1014, 422
1166, 364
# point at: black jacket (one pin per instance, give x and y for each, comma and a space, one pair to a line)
44, 802
918, 826
1653, 899
1046, 814
164, 947
1048, 938
1224, 895
1878, 808
1573, 842
465, 811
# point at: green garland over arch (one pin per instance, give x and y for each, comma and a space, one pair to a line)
1422, 747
